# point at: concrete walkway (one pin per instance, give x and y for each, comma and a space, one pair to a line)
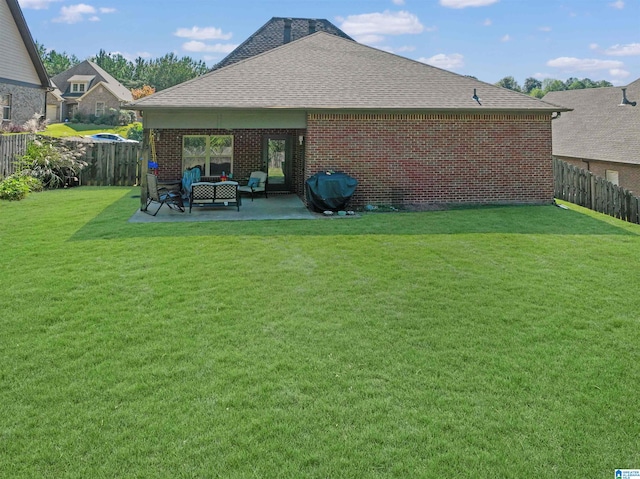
276, 207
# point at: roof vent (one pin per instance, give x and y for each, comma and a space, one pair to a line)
625, 101
287, 30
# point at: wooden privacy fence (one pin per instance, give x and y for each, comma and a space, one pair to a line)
108, 163
583, 188
12, 147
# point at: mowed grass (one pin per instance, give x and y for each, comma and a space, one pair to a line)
62, 130
473, 343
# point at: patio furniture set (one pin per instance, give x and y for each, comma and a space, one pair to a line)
193, 190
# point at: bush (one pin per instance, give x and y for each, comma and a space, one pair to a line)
51, 163
17, 187
135, 132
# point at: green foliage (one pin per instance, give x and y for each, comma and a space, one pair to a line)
509, 83
537, 93
55, 62
136, 132
51, 162
17, 187
530, 84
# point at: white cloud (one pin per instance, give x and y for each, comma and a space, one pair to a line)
107, 10
36, 4
542, 76
466, 3
94, 19
196, 46
75, 13
398, 2
206, 33
506, 38
618, 4
570, 64
593, 46
374, 26
544, 29
447, 62
631, 49
487, 22
618, 73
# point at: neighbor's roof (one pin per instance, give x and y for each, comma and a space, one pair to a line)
598, 128
90, 72
277, 32
323, 71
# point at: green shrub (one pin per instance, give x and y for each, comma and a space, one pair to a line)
135, 132
17, 187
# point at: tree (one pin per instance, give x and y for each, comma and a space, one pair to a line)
551, 84
141, 92
575, 85
55, 62
509, 83
116, 65
531, 84
537, 93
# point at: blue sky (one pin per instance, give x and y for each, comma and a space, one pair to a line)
489, 39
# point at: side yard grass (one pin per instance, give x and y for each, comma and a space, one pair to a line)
472, 343
60, 130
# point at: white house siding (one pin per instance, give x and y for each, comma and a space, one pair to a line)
15, 62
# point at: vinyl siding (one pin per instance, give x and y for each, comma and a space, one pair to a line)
15, 62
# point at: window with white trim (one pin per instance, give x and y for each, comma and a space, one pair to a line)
78, 87
212, 153
100, 108
612, 176
5, 101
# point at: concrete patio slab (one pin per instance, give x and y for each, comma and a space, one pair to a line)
276, 207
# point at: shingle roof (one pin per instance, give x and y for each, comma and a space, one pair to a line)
598, 128
277, 32
90, 71
323, 71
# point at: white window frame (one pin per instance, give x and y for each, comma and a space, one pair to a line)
101, 111
209, 155
78, 87
6, 107
612, 176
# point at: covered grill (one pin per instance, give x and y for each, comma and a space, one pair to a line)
329, 190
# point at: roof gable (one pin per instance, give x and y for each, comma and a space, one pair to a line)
598, 128
29, 44
325, 71
277, 32
92, 74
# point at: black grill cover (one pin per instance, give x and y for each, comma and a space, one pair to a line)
330, 191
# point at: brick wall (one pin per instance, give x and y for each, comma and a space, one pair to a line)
628, 174
404, 159
247, 151
88, 104
25, 102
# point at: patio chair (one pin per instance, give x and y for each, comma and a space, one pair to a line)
162, 195
190, 176
257, 184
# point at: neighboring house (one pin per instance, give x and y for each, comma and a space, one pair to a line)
410, 133
276, 32
88, 90
23, 78
602, 133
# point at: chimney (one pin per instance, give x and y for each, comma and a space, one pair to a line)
312, 26
287, 30
625, 101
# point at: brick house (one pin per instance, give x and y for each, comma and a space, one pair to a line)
23, 79
410, 133
88, 90
602, 132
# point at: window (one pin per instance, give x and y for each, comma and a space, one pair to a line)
214, 154
78, 87
99, 108
5, 101
612, 176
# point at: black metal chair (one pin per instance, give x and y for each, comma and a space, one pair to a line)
162, 195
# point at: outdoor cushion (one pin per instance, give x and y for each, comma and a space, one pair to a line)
253, 182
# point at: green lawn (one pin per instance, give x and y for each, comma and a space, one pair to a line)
60, 130
473, 343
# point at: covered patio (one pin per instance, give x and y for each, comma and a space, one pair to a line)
276, 207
